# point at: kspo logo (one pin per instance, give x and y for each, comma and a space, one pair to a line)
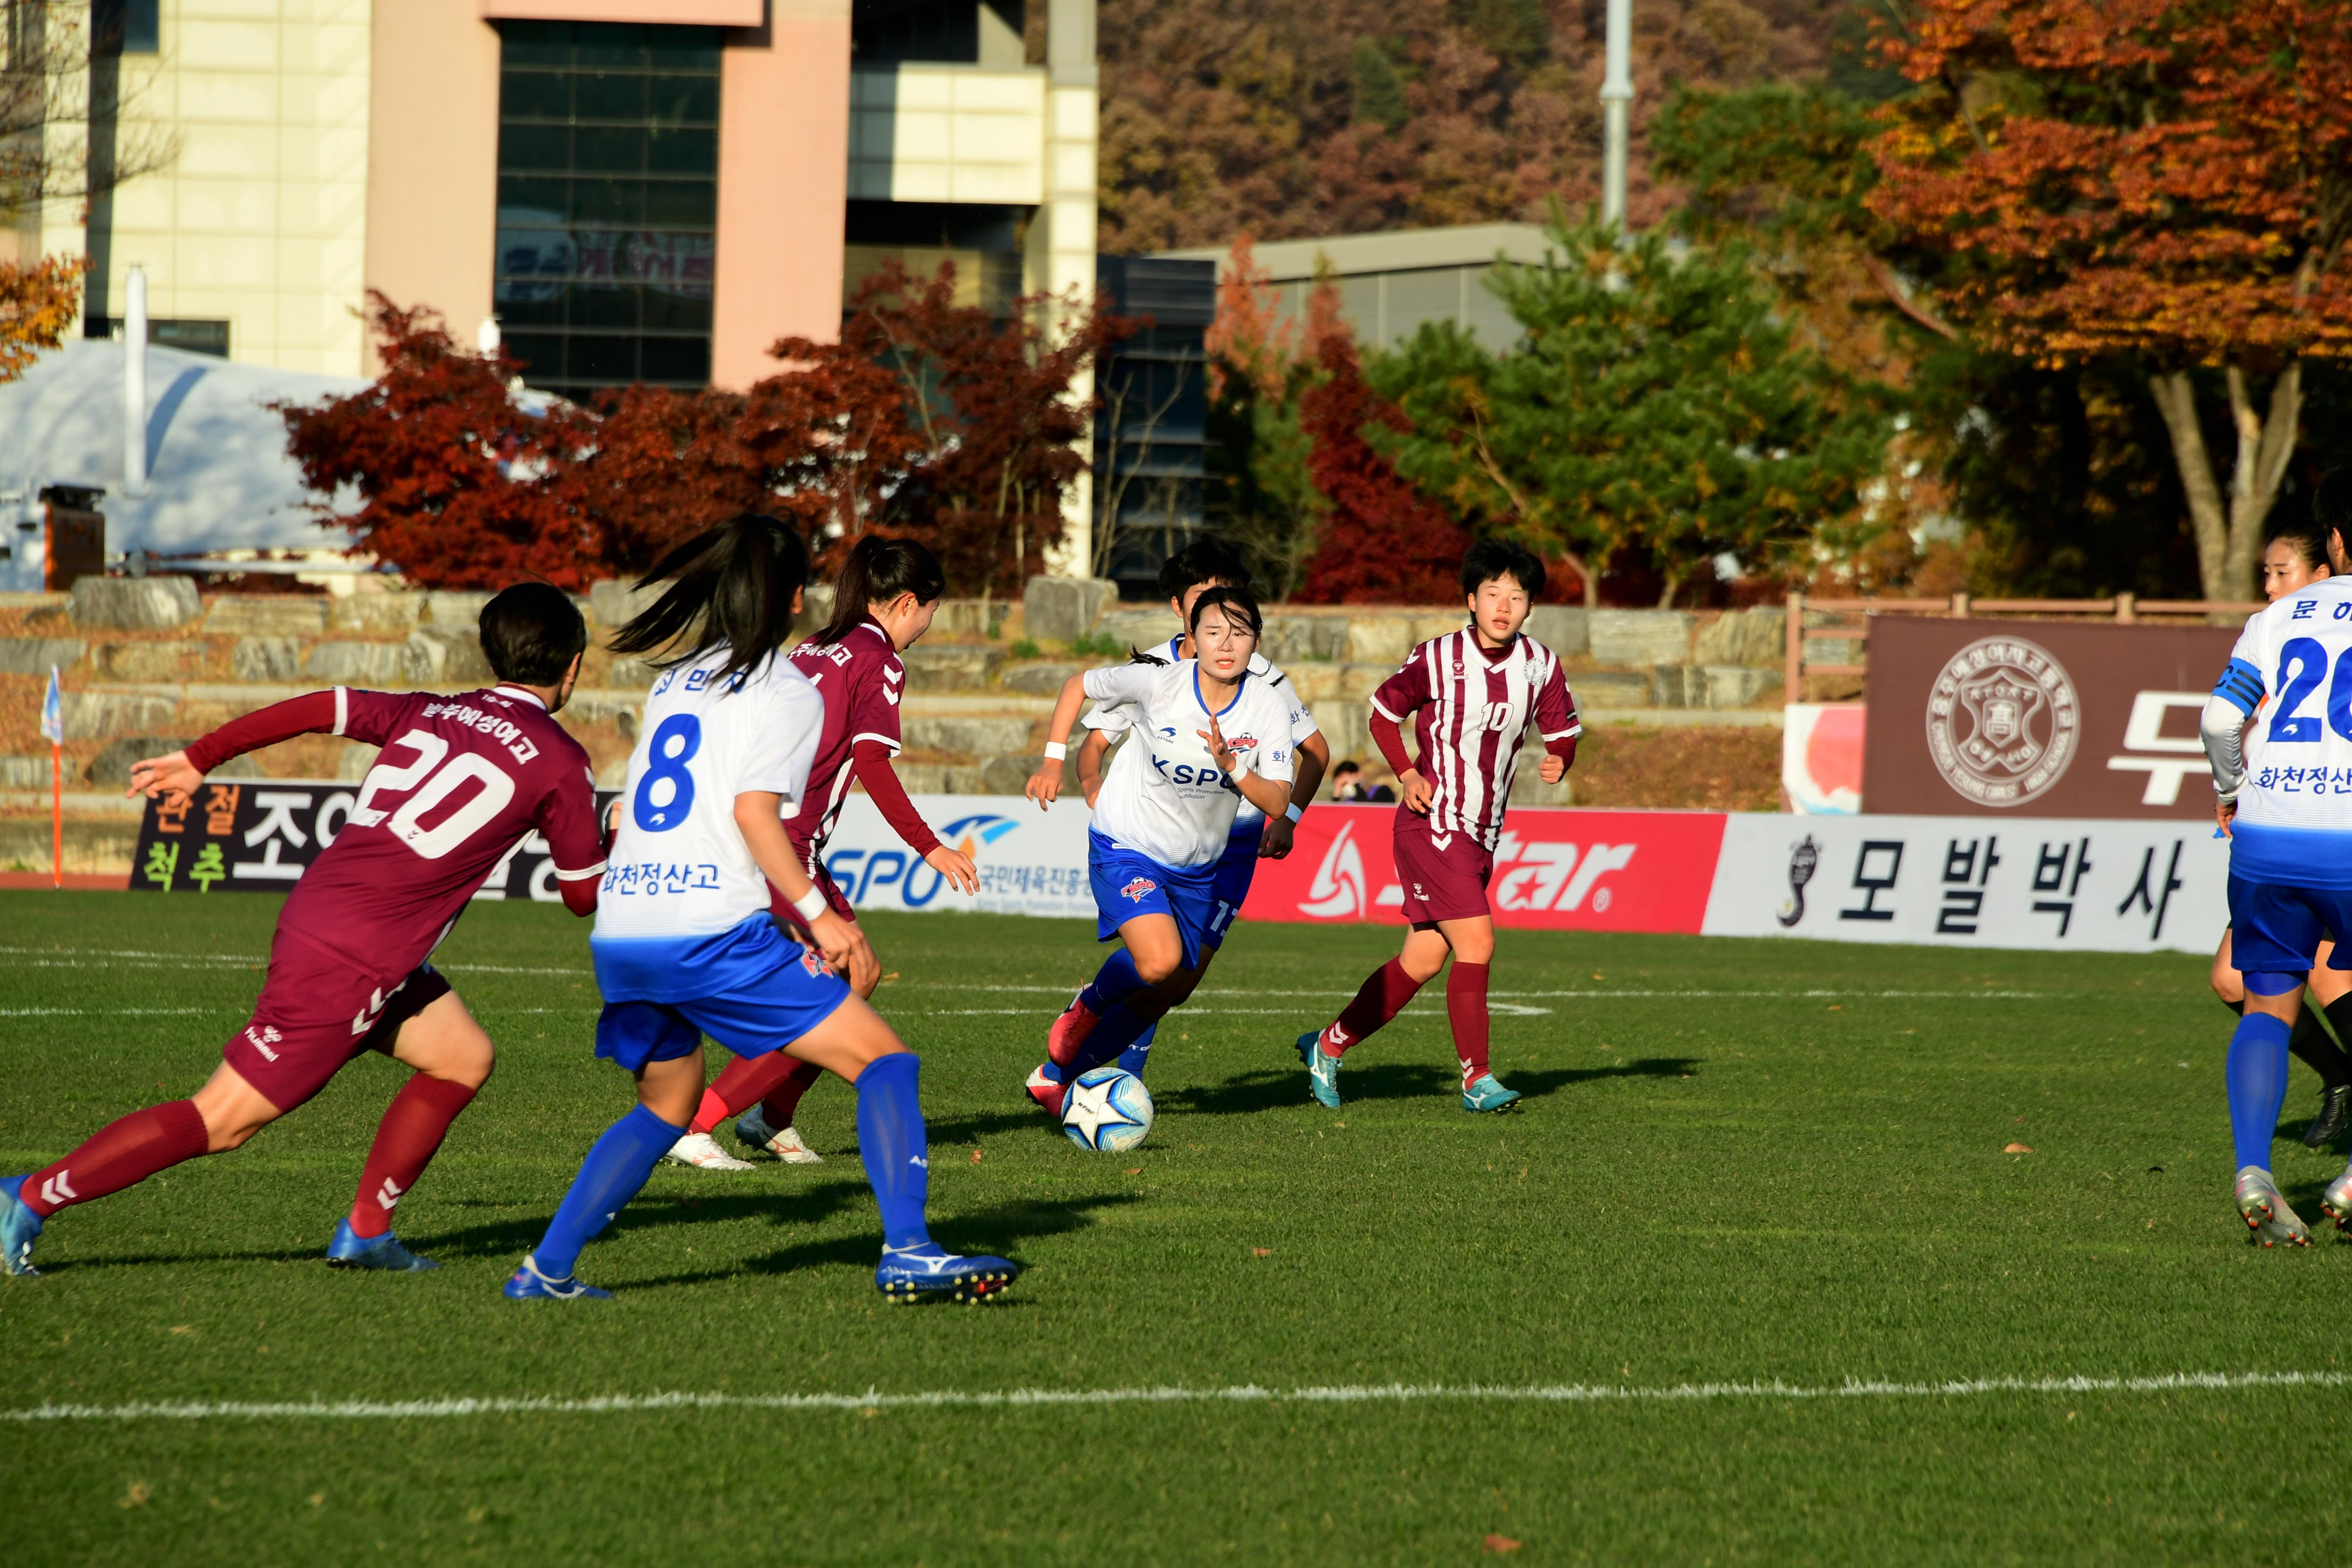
2003, 721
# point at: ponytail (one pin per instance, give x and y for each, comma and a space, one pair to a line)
876, 571
730, 586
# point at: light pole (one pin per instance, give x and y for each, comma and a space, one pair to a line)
1616, 111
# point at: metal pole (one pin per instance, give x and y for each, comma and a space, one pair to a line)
134, 385
1616, 106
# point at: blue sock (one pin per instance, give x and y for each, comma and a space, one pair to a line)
2257, 1075
1133, 1058
1114, 980
896, 1147
1118, 1030
614, 1172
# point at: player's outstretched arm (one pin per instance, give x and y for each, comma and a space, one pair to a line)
872, 760
313, 713
1045, 784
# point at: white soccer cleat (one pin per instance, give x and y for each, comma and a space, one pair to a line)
2266, 1213
702, 1152
753, 1131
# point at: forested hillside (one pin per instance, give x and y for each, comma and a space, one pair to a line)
1308, 117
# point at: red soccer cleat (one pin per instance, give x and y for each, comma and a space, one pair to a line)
1070, 1031
1046, 1092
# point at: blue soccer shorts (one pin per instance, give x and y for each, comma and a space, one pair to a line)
760, 1013
1231, 885
2275, 931
1127, 884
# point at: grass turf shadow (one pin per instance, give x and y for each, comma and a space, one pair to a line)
1251, 1092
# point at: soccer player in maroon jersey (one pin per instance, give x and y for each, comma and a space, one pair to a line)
460, 781
883, 600
1469, 696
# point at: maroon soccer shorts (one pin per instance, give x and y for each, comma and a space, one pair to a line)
1443, 875
318, 1011
789, 919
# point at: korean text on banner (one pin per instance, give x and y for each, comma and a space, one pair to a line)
1031, 862
1556, 870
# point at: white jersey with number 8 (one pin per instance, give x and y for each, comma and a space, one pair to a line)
678, 867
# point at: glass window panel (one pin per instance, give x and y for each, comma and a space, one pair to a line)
536, 43
608, 201
672, 310
609, 44
541, 354
612, 96
619, 149
608, 358
551, 194
603, 305
681, 152
683, 100
534, 95
535, 147
684, 360
529, 303
684, 49
682, 203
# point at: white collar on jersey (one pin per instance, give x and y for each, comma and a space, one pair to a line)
529, 697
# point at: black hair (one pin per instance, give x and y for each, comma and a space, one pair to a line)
876, 571
2331, 508
731, 585
1492, 558
1349, 765
1207, 559
2309, 541
532, 633
1240, 605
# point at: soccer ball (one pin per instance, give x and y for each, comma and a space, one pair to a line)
1106, 1110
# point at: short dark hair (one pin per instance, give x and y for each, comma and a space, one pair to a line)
1348, 765
532, 633
1207, 559
2309, 541
2331, 508
1492, 558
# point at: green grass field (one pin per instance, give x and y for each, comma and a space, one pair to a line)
1739, 1164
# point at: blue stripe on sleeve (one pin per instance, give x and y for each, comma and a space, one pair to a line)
2241, 683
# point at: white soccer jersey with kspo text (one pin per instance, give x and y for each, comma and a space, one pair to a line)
678, 867
1469, 707
1164, 797
1247, 818
2291, 673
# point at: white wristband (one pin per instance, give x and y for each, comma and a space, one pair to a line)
1055, 750
810, 905
1293, 811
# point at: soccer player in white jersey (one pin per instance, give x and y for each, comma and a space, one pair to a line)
684, 943
1208, 734
2285, 788
1127, 1030
1470, 696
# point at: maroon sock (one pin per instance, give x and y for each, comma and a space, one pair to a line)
413, 1125
1384, 994
743, 1082
784, 1101
122, 1154
1466, 1009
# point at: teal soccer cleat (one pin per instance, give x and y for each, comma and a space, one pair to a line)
1485, 1093
1322, 1069
19, 1227
530, 1285
922, 1273
351, 1251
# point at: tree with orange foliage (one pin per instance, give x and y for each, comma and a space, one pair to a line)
2163, 182
37, 304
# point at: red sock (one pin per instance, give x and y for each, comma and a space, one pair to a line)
784, 1102
745, 1081
1466, 1009
1384, 994
405, 1140
122, 1154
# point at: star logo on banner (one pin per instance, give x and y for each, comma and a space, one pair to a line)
1090, 1110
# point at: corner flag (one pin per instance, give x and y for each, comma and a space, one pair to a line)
53, 712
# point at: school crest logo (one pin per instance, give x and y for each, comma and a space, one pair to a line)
2003, 721
1134, 890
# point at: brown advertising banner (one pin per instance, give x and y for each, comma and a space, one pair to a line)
1978, 718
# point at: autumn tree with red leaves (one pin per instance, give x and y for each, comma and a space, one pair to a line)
2171, 183
1383, 541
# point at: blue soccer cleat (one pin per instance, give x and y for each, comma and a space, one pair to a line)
530, 1285
921, 1273
19, 1227
1322, 1069
1484, 1093
351, 1251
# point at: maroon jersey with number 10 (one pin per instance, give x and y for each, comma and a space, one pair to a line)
1470, 705
460, 782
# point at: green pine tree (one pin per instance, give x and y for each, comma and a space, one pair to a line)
1380, 86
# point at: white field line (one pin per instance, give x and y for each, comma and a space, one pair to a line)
71, 957
1247, 1394
1500, 1009
102, 1012
1786, 996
